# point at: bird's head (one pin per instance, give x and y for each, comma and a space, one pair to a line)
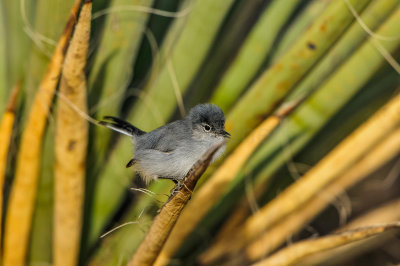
208, 120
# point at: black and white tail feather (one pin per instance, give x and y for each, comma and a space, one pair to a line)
121, 126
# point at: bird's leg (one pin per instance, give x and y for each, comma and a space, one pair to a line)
177, 187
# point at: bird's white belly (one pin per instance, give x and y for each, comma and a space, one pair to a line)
176, 164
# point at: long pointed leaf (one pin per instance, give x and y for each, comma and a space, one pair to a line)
276, 82
253, 53
23, 192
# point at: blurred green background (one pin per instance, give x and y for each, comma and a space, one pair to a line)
151, 61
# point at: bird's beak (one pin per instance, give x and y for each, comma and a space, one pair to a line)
225, 134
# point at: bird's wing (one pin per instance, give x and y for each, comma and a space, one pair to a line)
167, 138
121, 126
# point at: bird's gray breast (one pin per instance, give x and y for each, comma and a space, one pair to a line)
187, 154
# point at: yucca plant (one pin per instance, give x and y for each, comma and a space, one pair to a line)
310, 92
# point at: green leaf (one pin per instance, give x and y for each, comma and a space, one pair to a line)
253, 53
277, 81
298, 129
184, 53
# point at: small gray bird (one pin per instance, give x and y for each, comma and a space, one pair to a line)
170, 151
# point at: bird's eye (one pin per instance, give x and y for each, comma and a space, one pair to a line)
207, 128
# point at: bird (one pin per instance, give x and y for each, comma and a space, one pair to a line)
170, 151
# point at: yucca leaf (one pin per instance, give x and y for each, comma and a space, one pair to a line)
115, 54
385, 213
298, 129
294, 253
71, 141
270, 88
44, 36
46, 33
298, 26
357, 111
183, 60
228, 42
17, 42
6, 129
253, 53
24, 189
276, 235
372, 17
41, 238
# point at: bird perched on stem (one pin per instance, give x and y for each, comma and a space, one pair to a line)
171, 150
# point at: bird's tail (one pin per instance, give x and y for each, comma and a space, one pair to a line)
121, 126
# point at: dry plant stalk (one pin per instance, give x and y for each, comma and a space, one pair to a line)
71, 146
295, 252
277, 234
352, 149
23, 191
387, 213
166, 219
6, 127
247, 205
209, 193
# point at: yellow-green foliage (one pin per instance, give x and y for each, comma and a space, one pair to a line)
309, 89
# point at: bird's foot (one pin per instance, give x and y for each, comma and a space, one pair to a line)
177, 187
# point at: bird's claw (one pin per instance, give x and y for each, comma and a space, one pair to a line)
177, 187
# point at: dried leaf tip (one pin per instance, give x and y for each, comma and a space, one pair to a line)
71, 22
13, 98
287, 108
